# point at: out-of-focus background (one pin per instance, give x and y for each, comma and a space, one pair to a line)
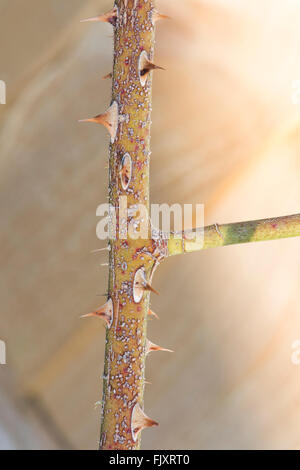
226, 133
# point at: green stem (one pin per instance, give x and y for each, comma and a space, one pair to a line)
234, 234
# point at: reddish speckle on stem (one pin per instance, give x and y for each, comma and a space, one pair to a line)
274, 225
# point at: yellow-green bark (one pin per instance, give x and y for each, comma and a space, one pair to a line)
124, 372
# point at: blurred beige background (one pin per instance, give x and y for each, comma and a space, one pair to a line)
225, 133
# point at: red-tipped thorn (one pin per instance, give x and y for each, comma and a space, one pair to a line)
153, 314
105, 312
110, 120
158, 16
148, 288
140, 421
145, 66
109, 75
109, 17
141, 285
151, 347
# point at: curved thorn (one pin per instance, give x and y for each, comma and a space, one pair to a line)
109, 75
110, 120
109, 17
149, 288
105, 312
145, 66
141, 285
140, 421
158, 16
153, 314
151, 347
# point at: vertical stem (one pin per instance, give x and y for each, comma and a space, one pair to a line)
125, 353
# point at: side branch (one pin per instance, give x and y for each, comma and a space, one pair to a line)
234, 234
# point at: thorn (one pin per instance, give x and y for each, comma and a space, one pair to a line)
153, 314
148, 288
141, 285
126, 171
104, 264
109, 75
148, 66
147, 383
140, 421
145, 66
100, 249
151, 347
109, 17
157, 16
105, 312
109, 120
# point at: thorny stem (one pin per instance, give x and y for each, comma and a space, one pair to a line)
233, 234
132, 262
